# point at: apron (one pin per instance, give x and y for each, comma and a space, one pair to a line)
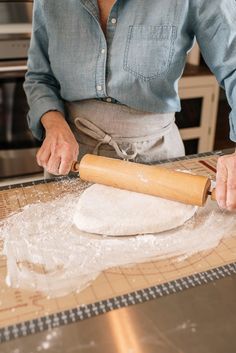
118, 131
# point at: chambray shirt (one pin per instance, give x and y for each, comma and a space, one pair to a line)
138, 63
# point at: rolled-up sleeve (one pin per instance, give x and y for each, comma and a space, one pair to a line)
41, 87
214, 24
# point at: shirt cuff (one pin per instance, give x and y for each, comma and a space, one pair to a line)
232, 129
38, 109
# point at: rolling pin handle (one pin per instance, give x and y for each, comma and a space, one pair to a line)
75, 167
212, 194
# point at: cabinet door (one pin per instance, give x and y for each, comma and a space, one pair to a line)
196, 120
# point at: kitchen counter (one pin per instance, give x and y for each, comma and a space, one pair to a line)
21, 179
198, 320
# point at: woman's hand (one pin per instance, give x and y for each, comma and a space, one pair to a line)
59, 148
226, 182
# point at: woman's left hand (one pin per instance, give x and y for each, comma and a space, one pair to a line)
226, 182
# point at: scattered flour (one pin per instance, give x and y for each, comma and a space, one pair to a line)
47, 253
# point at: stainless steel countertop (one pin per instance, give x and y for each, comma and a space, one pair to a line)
198, 320
19, 180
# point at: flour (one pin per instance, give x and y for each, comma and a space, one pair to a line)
106, 210
45, 251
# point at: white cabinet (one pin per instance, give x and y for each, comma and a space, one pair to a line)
199, 93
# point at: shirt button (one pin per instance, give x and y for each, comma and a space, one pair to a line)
108, 100
113, 20
99, 88
103, 51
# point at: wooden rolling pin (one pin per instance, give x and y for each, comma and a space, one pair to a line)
146, 179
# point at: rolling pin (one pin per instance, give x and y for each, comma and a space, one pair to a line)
147, 179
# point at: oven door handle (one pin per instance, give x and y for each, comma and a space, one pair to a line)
12, 69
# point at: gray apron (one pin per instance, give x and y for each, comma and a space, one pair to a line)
117, 131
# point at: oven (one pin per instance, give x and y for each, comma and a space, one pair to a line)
18, 147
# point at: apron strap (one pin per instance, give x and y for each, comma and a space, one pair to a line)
90, 129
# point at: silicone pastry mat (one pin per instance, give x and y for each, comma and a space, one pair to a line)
115, 287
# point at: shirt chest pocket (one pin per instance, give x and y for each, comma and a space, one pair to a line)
149, 50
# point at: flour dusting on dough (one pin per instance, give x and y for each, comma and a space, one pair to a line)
110, 211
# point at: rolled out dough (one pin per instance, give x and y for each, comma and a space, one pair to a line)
108, 211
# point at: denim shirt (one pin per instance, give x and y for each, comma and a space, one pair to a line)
138, 63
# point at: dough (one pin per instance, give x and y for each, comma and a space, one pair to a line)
110, 211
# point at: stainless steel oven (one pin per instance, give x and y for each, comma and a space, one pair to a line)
15, 28
17, 145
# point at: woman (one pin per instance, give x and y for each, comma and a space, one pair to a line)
104, 74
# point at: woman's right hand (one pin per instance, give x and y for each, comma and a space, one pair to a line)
59, 148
